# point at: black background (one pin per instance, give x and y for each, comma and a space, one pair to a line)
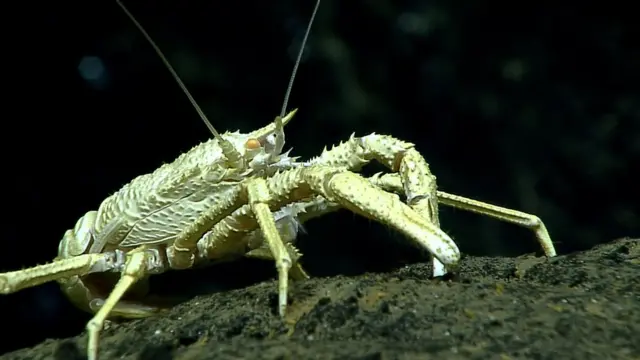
522, 104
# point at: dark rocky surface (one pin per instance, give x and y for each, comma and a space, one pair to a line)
584, 305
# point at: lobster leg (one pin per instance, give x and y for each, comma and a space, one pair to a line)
60, 268
392, 182
135, 268
259, 198
414, 179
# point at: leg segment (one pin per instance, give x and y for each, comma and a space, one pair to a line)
181, 254
13, 281
508, 215
418, 183
135, 267
357, 194
392, 182
259, 199
238, 234
296, 272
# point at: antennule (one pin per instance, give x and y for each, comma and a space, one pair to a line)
297, 63
229, 151
279, 127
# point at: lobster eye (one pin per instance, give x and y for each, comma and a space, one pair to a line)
252, 144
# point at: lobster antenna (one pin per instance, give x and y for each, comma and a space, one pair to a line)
172, 71
234, 158
295, 66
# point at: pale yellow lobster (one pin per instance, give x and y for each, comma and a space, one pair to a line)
239, 195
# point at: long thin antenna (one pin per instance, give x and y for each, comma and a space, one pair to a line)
173, 72
295, 67
228, 150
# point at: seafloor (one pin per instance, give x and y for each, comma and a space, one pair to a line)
580, 306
